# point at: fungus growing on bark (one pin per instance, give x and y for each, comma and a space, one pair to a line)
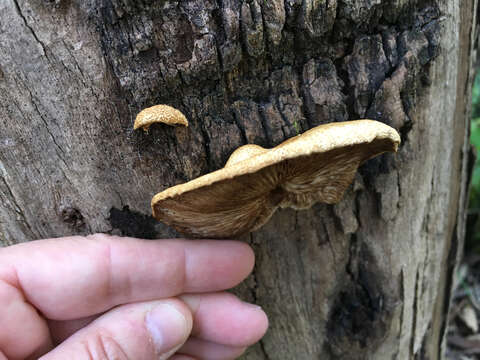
316, 166
159, 113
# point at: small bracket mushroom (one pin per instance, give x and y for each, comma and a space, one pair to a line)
316, 166
159, 113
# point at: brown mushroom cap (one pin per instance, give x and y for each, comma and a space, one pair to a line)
159, 113
316, 166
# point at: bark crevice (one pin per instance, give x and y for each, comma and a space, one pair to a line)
30, 28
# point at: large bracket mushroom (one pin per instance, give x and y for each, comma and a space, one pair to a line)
316, 166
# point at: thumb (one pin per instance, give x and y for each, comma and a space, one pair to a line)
143, 331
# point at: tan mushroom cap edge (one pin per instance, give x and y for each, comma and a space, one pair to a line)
159, 114
316, 166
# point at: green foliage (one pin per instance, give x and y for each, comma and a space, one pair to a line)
475, 140
476, 98
296, 125
472, 241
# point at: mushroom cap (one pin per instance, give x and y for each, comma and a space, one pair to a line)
316, 166
159, 113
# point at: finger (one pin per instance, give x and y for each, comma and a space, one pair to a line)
61, 330
208, 350
143, 331
224, 319
182, 357
203, 349
218, 318
23, 332
77, 277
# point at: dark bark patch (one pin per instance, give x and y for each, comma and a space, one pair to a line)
382, 164
322, 88
367, 68
404, 130
359, 315
410, 54
247, 117
252, 29
132, 223
223, 137
184, 44
72, 217
389, 39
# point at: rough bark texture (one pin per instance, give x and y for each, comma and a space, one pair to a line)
369, 278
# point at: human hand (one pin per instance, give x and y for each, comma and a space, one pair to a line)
105, 297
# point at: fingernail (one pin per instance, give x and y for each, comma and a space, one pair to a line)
253, 306
167, 326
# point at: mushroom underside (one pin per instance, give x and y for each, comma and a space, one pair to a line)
230, 208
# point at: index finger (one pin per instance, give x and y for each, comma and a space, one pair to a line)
76, 277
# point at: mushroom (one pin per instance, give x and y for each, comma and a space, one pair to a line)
316, 166
159, 113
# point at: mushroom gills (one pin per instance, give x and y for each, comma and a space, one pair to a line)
316, 166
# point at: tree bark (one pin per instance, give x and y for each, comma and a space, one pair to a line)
369, 278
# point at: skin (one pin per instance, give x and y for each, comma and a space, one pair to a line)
105, 297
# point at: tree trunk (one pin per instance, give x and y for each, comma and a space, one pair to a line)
369, 278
